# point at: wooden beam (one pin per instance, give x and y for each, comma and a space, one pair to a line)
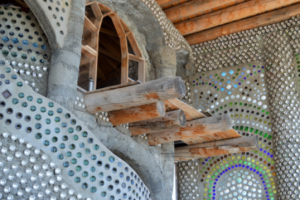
164, 3
189, 137
230, 14
171, 120
98, 14
89, 25
210, 137
88, 51
146, 93
195, 7
195, 128
190, 112
135, 58
108, 32
96, 9
137, 113
250, 23
218, 123
210, 149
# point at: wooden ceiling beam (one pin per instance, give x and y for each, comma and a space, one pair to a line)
164, 3
218, 148
194, 8
230, 14
246, 24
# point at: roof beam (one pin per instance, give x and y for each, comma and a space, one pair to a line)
230, 14
164, 3
194, 8
217, 148
250, 23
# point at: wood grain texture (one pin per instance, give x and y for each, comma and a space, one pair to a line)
218, 148
193, 8
146, 93
246, 24
230, 14
137, 113
190, 112
172, 119
212, 127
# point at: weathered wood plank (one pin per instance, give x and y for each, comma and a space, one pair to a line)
246, 24
212, 137
218, 148
171, 120
193, 129
230, 14
137, 113
146, 93
190, 112
217, 123
195, 7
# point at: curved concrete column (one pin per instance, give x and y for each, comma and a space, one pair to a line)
63, 74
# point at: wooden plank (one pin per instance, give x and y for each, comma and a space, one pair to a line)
137, 113
96, 9
124, 47
196, 7
188, 137
136, 49
199, 127
172, 119
230, 14
146, 93
206, 137
217, 123
89, 25
190, 112
135, 58
164, 3
88, 51
224, 147
114, 87
250, 23
108, 32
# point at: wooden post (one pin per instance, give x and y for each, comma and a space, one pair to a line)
217, 148
171, 120
137, 113
146, 93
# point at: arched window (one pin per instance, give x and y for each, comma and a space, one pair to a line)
110, 53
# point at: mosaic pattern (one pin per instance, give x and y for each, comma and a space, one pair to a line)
242, 92
274, 115
240, 185
242, 47
57, 11
24, 44
172, 36
28, 173
87, 165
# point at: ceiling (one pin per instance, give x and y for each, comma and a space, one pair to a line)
204, 20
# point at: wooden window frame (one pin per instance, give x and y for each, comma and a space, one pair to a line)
124, 33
